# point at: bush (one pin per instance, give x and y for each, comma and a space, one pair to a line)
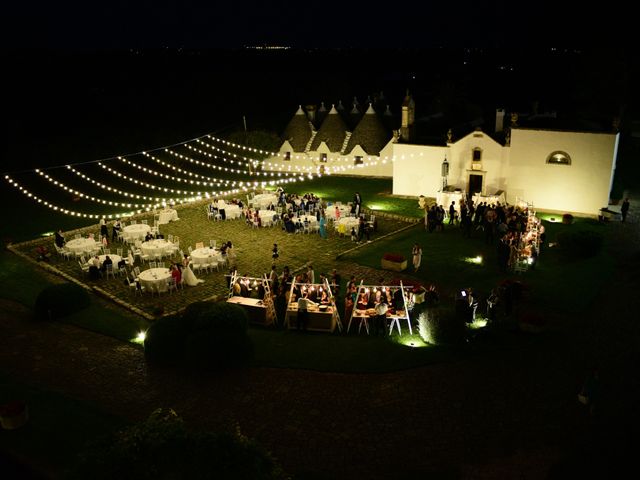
567, 219
580, 243
57, 301
165, 341
440, 326
207, 336
162, 448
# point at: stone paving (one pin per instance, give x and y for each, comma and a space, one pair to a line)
253, 255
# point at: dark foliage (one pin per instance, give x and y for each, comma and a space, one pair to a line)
162, 448
440, 325
207, 336
57, 301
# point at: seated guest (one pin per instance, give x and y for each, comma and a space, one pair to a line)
42, 253
107, 261
148, 237
59, 239
116, 229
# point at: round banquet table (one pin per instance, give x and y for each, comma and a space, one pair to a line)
202, 255
348, 222
135, 232
155, 247
263, 200
232, 211
114, 258
344, 210
309, 218
155, 277
167, 215
80, 245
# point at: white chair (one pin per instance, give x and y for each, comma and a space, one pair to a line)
109, 271
134, 286
84, 267
212, 243
134, 222
145, 222
153, 265
136, 270
199, 245
119, 252
171, 285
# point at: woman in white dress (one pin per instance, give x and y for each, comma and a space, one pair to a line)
188, 277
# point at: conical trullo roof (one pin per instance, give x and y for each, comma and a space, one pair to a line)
298, 131
370, 134
332, 132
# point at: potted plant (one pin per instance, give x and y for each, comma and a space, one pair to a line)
393, 261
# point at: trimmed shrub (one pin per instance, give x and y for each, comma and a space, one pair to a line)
165, 341
567, 219
218, 336
162, 448
207, 336
394, 257
440, 326
57, 301
580, 243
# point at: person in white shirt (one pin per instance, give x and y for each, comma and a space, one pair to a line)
303, 315
311, 275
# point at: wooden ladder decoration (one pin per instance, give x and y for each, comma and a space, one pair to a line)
336, 315
232, 282
355, 304
268, 301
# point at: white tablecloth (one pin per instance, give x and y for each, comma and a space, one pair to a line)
155, 247
114, 258
155, 276
232, 211
263, 200
167, 215
490, 199
330, 212
204, 255
266, 216
80, 245
309, 218
445, 199
135, 232
347, 223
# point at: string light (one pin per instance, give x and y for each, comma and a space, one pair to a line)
64, 187
210, 180
113, 189
64, 210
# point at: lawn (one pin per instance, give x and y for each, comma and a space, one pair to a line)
450, 261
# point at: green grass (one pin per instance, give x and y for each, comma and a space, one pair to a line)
108, 321
19, 280
57, 430
340, 353
375, 193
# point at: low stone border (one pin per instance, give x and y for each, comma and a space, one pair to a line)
392, 216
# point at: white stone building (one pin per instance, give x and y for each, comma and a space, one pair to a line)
561, 171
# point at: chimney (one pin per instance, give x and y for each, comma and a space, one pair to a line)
408, 116
499, 119
311, 112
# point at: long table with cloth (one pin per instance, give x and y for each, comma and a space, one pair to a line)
134, 232
155, 277
489, 199
320, 317
445, 199
167, 215
255, 308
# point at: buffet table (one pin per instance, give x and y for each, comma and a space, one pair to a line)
255, 308
320, 320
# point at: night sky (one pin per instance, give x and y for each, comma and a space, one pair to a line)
199, 24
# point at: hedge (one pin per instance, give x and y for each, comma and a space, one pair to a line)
57, 301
